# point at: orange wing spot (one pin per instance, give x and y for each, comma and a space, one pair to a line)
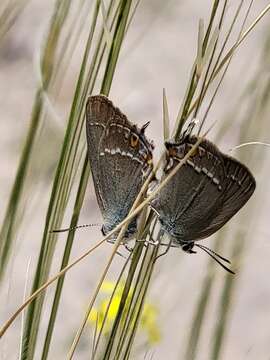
149, 159
134, 140
172, 152
144, 156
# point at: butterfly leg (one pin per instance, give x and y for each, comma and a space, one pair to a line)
123, 256
167, 248
128, 248
149, 241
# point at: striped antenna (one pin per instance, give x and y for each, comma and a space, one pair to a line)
73, 228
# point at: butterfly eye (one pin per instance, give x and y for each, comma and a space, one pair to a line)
134, 140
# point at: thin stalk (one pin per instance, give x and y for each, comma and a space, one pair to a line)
182, 116
133, 301
80, 192
258, 109
13, 211
202, 302
117, 322
210, 61
9, 15
225, 301
224, 72
78, 204
227, 57
105, 88
141, 298
95, 345
54, 213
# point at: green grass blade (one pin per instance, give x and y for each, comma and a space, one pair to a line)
199, 58
166, 120
140, 299
194, 79
66, 255
80, 195
8, 15
91, 76
56, 207
200, 311
226, 297
15, 205
121, 337
257, 110
116, 45
120, 313
113, 56
119, 279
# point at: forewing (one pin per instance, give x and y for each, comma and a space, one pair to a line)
99, 112
125, 160
192, 197
240, 185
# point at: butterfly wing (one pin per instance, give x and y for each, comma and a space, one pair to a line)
196, 202
122, 162
99, 112
240, 185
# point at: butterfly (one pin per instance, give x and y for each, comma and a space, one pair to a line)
120, 158
204, 194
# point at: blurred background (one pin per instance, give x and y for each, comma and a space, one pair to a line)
157, 53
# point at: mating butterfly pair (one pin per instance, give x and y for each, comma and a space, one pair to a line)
199, 199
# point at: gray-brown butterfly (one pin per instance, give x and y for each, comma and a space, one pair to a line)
120, 158
205, 193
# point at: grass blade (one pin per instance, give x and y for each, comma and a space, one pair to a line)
166, 120
8, 15
10, 222
57, 205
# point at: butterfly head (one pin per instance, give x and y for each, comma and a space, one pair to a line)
131, 230
174, 153
188, 246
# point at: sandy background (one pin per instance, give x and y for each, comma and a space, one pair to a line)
158, 53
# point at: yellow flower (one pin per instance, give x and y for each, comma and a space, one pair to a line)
148, 322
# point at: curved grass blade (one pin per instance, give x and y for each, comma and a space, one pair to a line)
113, 338
118, 37
202, 303
57, 204
256, 111
142, 291
91, 77
9, 14
96, 344
166, 120
194, 79
66, 255
128, 320
13, 211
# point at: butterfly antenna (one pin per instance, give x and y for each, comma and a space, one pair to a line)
215, 256
213, 252
73, 228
